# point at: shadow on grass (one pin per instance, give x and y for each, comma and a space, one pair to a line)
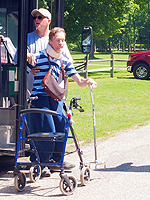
122, 53
106, 74
132, 77
80, 59
126, 77
75, 52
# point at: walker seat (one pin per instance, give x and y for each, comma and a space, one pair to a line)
46, 136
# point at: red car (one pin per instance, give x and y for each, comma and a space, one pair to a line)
139, 64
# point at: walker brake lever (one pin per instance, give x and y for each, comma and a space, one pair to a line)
75, 105
81, 109
78, 107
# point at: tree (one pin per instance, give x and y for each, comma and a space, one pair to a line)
109, 20
101, 15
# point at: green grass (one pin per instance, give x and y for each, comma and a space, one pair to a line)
121, 103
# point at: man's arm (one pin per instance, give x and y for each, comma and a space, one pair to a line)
82, 82
31, 58
32, 61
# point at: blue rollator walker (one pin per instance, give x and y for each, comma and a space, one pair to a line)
67, 184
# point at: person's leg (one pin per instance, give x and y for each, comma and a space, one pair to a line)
41, 123
60, 127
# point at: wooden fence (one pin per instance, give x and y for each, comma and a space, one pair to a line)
83, 68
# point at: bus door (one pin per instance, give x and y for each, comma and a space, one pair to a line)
15, 23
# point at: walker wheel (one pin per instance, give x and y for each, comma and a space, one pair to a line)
84, 175
20, 181
35, 173
65, 188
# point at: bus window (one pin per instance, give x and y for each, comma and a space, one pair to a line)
3, 22
13, 28
9, 29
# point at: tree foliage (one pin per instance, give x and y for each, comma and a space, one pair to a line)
115, 23
102, 15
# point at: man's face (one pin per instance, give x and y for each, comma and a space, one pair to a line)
57, 42
41, 21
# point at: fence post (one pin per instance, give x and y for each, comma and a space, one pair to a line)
112, 66
86, 66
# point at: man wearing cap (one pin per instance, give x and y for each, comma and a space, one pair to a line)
36, 42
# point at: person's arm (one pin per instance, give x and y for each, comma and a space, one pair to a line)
32, 61
31, 58
35, 71
82, 82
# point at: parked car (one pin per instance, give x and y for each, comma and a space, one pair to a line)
139, 64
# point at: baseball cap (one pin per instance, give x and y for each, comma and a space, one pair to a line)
42, 11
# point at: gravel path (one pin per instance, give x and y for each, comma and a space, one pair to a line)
126, 177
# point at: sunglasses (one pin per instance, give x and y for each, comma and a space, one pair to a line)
39, 17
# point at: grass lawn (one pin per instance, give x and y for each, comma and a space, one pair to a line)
121, 103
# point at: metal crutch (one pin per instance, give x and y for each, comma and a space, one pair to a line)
94, 131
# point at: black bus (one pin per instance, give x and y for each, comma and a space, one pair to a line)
15, 23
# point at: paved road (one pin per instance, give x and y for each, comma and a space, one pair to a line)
127, 176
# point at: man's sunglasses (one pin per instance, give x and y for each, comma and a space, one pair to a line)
39, 17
